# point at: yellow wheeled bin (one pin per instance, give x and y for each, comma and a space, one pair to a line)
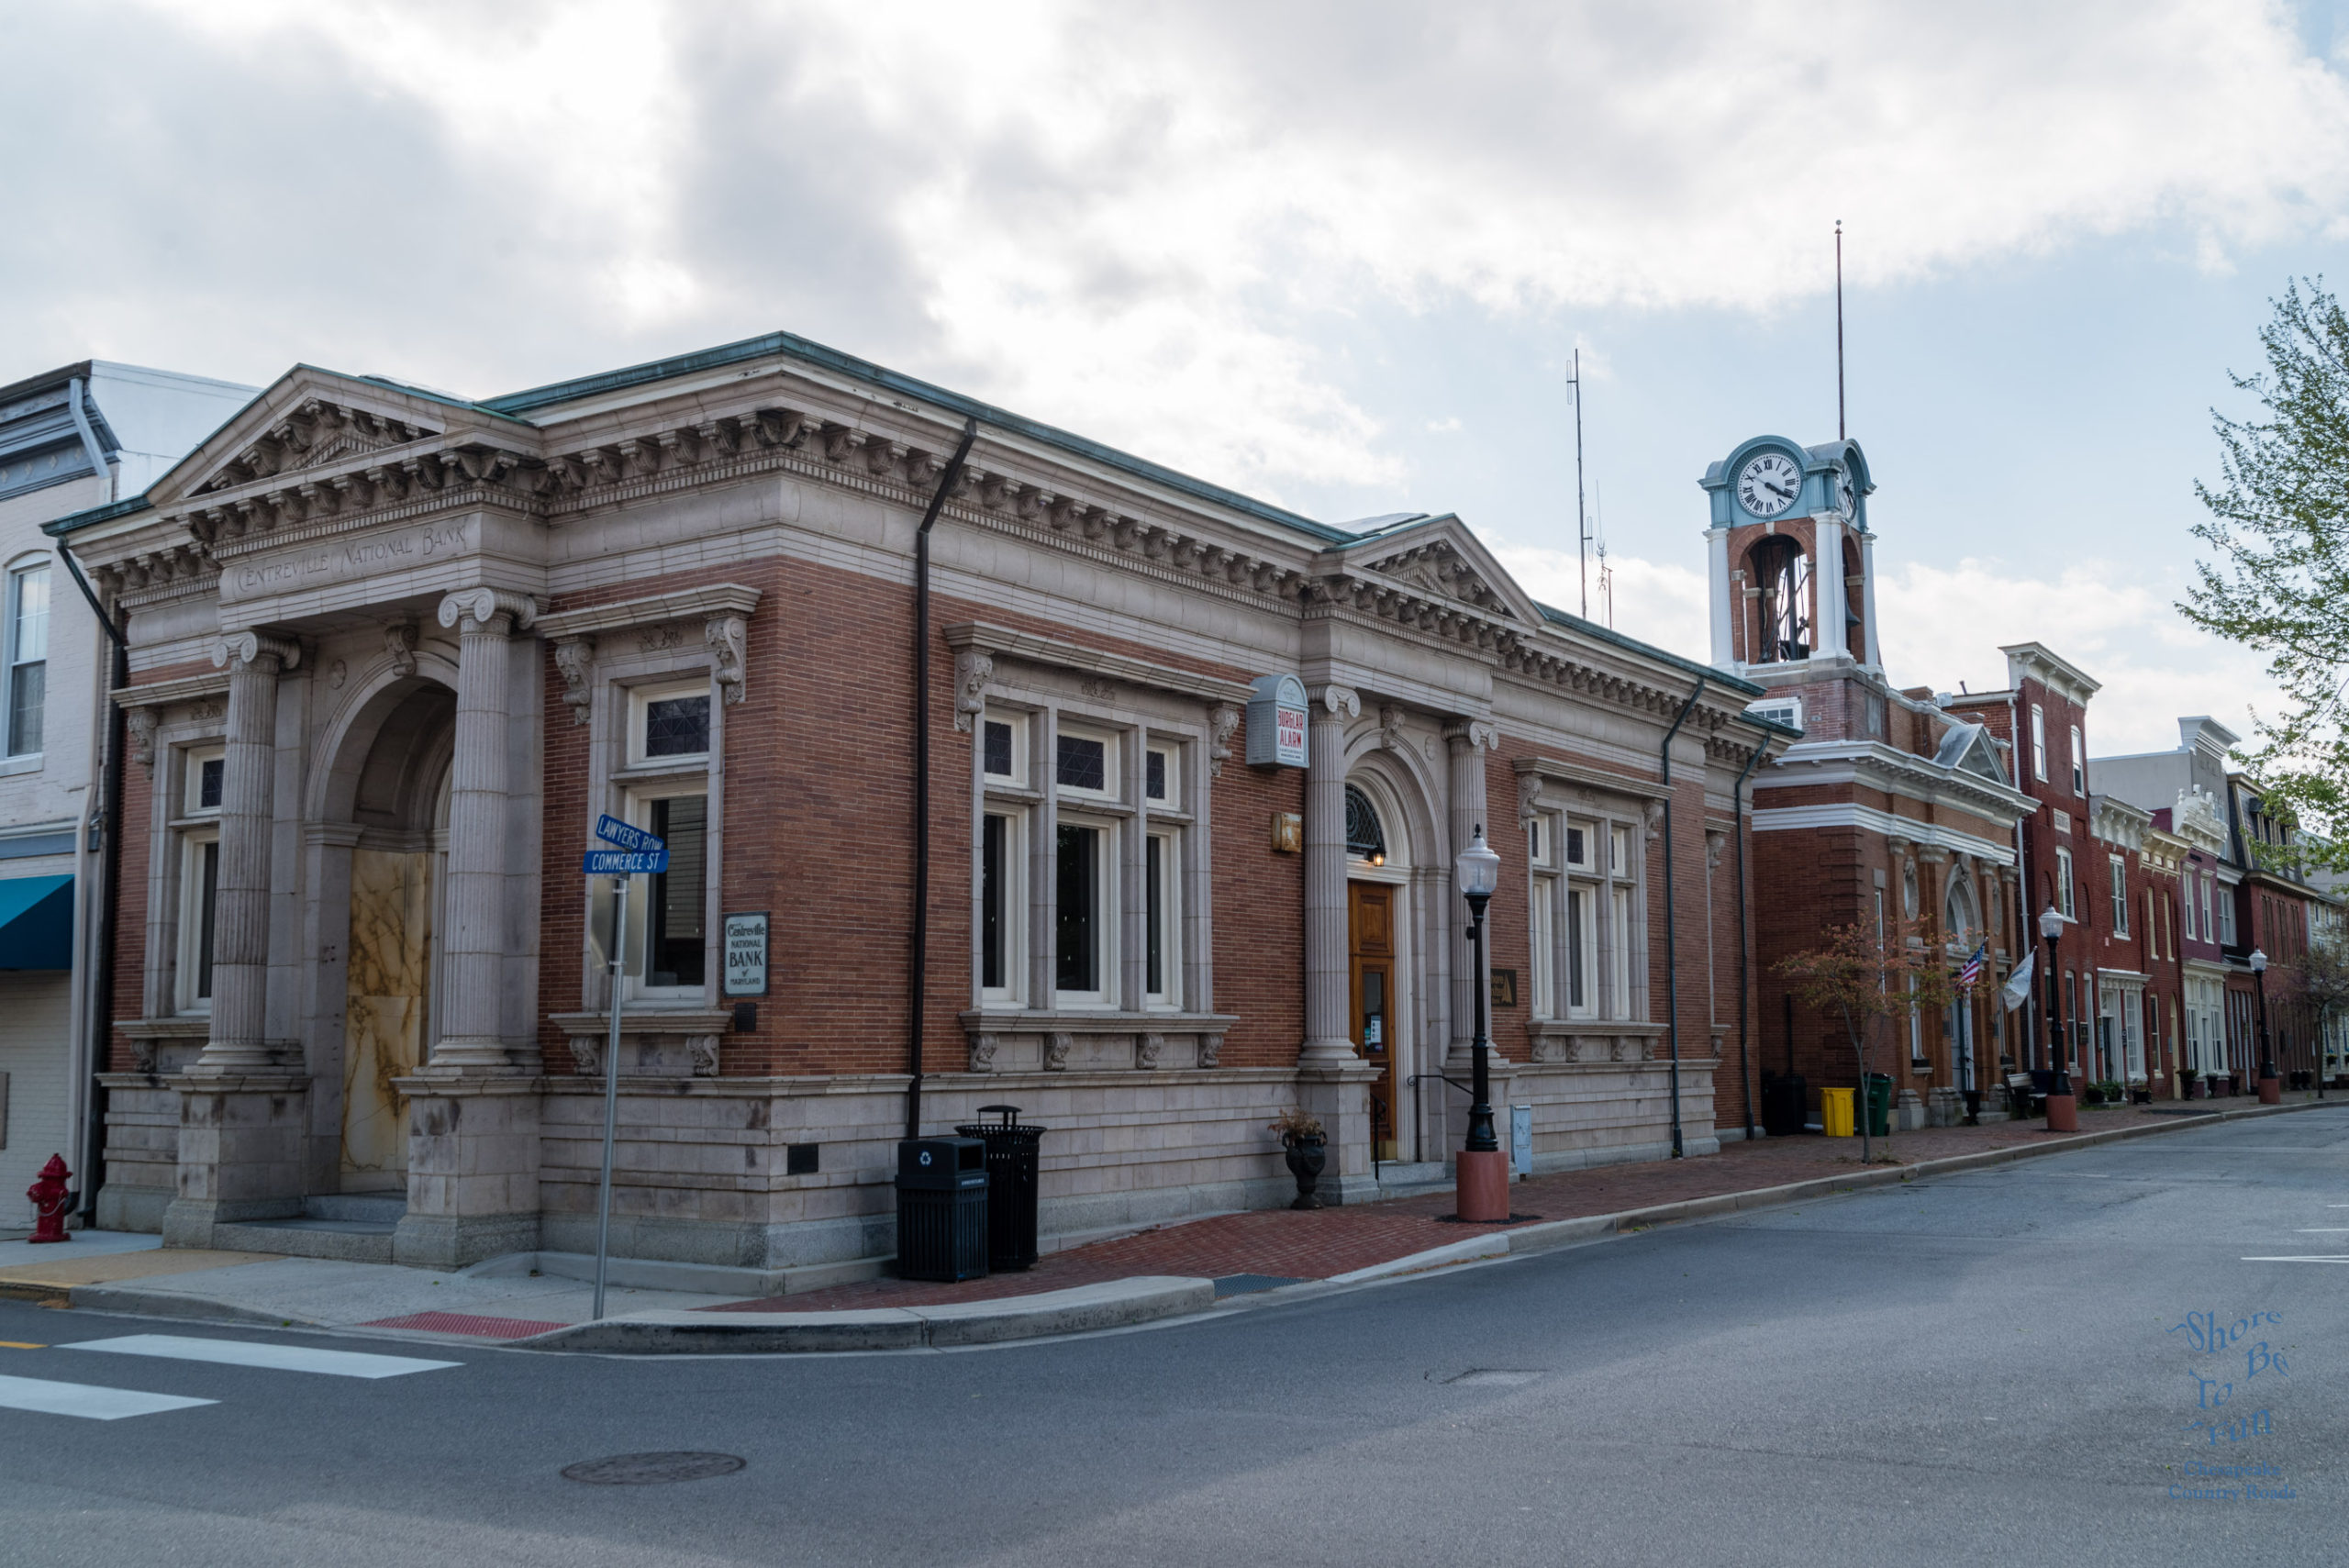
1835, 1112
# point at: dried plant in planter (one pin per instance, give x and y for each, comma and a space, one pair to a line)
1296, 1126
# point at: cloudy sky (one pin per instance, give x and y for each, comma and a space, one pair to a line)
1339, 255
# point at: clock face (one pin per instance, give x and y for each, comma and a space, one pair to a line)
1768, 483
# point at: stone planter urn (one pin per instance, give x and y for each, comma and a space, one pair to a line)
1306, 1157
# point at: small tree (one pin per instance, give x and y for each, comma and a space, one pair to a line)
2279, 527
1865, 981
2321, 978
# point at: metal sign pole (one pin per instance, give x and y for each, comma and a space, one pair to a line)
611, 1087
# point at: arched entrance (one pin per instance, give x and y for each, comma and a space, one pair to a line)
1383, 991
388, 809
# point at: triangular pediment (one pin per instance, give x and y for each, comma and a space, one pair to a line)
1967, 749
1442, 559
316, 419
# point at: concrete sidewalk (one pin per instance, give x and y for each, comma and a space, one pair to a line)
1251, 1258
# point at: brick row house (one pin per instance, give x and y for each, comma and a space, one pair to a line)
393, 655
1895, 811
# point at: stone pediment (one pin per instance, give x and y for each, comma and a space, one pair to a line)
313, 434
314, 421
1440, 561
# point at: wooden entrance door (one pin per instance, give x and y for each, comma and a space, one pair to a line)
1370, 927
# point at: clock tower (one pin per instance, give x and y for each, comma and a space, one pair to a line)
1791, 560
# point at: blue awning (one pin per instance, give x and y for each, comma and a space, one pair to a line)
36, 922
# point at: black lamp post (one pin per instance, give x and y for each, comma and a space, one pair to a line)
2271, 1090
1479, 871
2063, 1109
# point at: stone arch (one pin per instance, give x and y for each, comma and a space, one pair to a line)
375, 820
1391, 773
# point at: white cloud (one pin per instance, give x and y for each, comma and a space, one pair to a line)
1943, 626
1139, 220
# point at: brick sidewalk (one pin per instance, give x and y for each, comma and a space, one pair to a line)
1286, 1244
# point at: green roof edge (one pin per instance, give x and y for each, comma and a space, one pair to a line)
793, 346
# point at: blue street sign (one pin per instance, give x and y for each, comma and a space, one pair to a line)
612, 830
624, 863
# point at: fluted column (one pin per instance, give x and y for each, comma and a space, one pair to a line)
241, 904
1329, 1021
1468, 739
477, 942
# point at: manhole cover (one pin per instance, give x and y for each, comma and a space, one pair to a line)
1494, 1377
651, 1469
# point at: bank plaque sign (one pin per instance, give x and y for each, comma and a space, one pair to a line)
361, 556
746, 955
1277, 722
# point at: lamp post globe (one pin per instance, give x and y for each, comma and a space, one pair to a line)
1482, 1171
2063, 1107
2271, 1088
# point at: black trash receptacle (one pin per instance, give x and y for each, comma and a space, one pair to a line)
941, 1208
1786, 1097
1012, 1159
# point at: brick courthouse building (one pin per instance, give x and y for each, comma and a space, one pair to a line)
392, 654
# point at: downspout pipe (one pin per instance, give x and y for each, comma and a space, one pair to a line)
916, 988
1744, 937
1670, 929
102, 825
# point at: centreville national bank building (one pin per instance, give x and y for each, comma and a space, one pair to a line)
1198, 769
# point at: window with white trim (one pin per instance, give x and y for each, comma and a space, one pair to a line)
2063, 905
2079, 763
1917, 1057
2038, 743
1059, 807
203, 772
2210, 931
25, 675
2227, 917
2119, 869
666, 791
1542, 858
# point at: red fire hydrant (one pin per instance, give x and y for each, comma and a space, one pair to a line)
52, 1200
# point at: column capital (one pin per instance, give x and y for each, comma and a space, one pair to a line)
1341, 702
240, 650
1473, 733
483, 605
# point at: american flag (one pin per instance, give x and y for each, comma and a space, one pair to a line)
1974, 965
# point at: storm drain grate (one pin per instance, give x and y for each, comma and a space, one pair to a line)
651, 1469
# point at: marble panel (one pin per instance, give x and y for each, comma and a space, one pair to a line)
383, 1024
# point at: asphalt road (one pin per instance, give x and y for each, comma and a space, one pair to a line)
1993, 1367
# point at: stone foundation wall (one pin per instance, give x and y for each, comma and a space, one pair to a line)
142, 1152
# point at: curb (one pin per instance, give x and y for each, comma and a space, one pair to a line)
1115, 1303
132, 1300
1565, 1232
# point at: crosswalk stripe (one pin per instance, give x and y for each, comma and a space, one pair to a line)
250, 1352
88, 1401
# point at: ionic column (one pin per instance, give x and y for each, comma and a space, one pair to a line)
1329, 1020
1469, 739
476, 944
241, 904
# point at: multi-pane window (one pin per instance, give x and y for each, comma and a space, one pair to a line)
2064, 885
2079, 763
27, 672
1092, 865
668, 724
2119, 869
2210, 931
202, 775
1582, 908
2186, 903
2227, 918
2038, 742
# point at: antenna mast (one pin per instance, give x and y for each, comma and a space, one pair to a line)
1606, 573
1582, 518
1839, 433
